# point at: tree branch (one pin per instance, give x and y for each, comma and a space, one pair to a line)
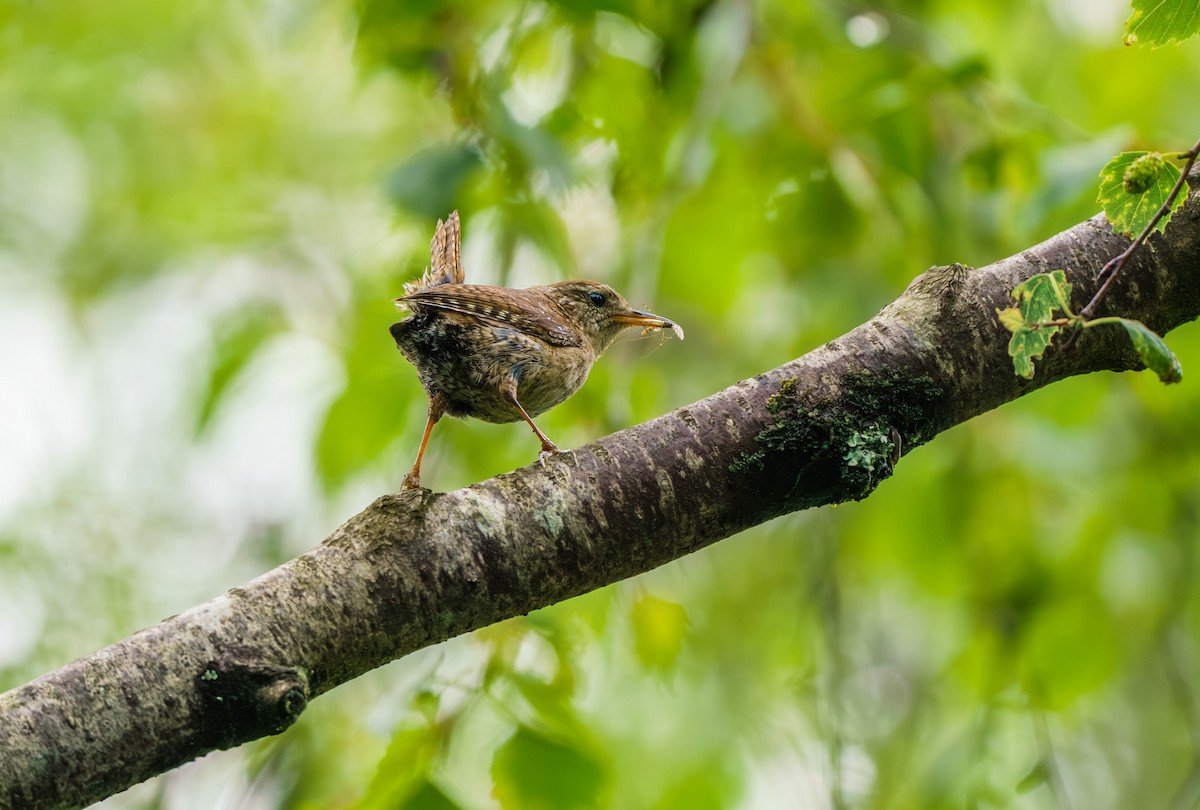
416, 568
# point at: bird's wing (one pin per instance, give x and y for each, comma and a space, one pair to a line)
526, 312
445, 251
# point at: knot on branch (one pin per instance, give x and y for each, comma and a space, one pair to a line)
389, 518
245, 700
944, 284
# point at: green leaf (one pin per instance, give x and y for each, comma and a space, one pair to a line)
1028, 345
1162, 22
1153, 351
404, 769
1143, 172
429, 183
705, 785
429, 796
403, 35
533, 772
1131, 213
1035, 778
550, 701
527, 150
1067, 648
1011, 318
659, 628
238, 340
1037, 298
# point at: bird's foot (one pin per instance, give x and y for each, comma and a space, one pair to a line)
549, 448
412, 481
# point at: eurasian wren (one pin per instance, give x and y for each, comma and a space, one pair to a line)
500, 354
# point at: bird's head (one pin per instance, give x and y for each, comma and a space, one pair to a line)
601, 313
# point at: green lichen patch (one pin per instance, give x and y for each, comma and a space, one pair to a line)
870, 449
905, 401
748, 461
849, 444
787, 394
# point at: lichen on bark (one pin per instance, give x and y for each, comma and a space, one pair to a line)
854, 438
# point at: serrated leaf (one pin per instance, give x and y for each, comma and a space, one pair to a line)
1142, 173
1026, 346
1131, 213
1011, 318
1162, 22
1153, 351
1038, 297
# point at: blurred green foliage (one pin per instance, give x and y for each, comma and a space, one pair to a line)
205, 209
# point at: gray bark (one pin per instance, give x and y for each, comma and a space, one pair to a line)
416, 568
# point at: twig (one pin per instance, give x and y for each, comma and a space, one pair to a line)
1108, 274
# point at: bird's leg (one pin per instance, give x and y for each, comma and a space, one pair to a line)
413, 479
509, 391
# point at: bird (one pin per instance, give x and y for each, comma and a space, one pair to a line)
501, 354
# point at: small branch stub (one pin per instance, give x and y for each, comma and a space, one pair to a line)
246, 700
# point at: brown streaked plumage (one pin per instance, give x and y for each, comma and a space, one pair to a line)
499, 354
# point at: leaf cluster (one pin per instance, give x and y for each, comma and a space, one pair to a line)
1034, 324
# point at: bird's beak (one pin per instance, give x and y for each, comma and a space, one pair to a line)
647, 321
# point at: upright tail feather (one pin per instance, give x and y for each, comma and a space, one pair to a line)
445, 257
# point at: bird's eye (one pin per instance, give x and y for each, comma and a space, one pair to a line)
597, 298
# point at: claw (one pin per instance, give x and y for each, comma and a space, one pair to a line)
548, 449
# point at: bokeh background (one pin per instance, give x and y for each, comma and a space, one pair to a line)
206, 208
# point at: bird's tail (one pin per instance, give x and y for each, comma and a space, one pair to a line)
445, 259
